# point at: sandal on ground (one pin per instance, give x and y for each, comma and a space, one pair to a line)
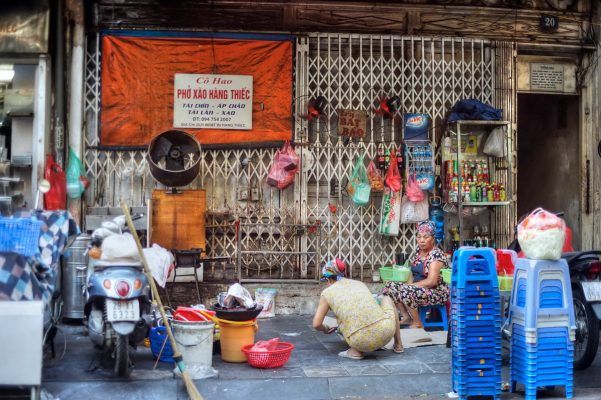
398, 351
346, 354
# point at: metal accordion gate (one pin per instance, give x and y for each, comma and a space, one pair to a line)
351, 72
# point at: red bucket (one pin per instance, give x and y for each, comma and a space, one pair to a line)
192, 314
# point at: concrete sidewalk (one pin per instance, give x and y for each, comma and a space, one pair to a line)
314, 371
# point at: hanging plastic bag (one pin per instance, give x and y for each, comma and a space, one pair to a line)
358, 186
288, 157
390, 213
393, 176
541, 235
56, 198
413, 191
414, 211
77, 182
375, 178
283, 167
495, 143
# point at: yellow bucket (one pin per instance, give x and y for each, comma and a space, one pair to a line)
233, 336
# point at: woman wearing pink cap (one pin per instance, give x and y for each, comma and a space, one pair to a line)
365, 325
425, 286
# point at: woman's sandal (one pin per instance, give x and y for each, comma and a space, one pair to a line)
346, 354
398, 351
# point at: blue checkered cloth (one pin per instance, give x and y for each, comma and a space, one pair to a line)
34, 278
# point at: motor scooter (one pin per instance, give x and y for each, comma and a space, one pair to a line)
117, 309
585, 277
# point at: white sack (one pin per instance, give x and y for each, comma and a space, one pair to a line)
160, 261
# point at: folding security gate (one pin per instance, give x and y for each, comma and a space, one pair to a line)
351, 72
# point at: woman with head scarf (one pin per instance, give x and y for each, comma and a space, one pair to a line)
425, 286
365, 325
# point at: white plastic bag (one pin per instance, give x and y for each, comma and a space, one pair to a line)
266, 297
541, 235
120, 248
239, 293
160, 262
414, 211
495, 143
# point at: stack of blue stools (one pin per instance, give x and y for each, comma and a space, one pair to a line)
475, 324
541, 318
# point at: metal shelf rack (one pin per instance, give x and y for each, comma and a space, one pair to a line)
459, 130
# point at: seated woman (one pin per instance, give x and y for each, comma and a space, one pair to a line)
365, 325
425, 286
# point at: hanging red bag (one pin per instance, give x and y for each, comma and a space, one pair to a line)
393, 176
56, 198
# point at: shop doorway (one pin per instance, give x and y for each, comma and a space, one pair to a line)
549, 156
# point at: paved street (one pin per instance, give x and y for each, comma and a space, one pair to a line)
313, 372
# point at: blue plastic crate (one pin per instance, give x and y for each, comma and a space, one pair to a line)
20, 235
158, 337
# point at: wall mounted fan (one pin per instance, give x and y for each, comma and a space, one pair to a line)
174, 158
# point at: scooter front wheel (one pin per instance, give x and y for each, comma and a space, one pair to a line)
122, 356
587, 332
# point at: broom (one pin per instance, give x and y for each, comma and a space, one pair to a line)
177, 357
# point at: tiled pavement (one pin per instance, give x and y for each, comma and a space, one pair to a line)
314, 372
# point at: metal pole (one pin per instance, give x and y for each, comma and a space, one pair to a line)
59, 81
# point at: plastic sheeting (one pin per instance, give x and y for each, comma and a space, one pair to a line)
138, 77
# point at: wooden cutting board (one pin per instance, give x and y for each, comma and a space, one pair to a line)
178, 220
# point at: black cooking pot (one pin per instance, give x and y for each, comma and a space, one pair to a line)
237, 314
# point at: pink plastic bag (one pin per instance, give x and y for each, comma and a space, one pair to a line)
413, 191
266, 345
283, 168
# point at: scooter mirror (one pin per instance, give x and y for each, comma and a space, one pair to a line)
43, 186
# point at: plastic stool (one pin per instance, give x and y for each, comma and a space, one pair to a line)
442, 309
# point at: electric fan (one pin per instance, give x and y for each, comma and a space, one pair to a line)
174, 158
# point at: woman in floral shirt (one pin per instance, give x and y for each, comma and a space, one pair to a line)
425, 286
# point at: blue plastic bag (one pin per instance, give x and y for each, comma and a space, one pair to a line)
472, 109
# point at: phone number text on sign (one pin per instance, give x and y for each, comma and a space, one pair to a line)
212, 101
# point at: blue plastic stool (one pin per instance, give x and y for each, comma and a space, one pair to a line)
442, 309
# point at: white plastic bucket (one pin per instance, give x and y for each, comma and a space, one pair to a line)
195, 341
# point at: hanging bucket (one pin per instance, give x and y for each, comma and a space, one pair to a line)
195, 341
234, 336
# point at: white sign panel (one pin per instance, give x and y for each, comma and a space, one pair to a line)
546, 77
212, 101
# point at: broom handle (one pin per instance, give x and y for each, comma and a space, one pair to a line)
177, 357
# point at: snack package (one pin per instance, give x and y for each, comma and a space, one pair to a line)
541, 235
375, 178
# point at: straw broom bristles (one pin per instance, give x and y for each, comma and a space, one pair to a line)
177, 357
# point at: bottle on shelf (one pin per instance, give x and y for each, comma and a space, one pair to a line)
380, 157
